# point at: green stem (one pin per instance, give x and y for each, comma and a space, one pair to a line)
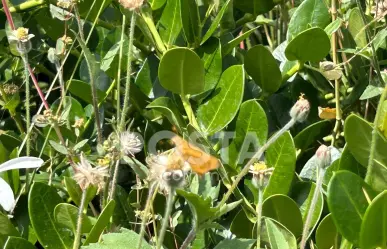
256, 156
308, 221
128, 73
259, 214
379, 111
26, 6
152, 28
168, 210
153, 189
292, 71
189, 111
119, 69
77, 240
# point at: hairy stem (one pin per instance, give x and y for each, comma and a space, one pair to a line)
168, 210
256, 156
259, 214
152, 189
308, 221
77, 240
119, 69
114, 182
128, 72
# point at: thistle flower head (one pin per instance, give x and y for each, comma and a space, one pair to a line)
169, 170
130, 143
20, 35
87, 175
323, 155
300, 110
131, 4
261, 174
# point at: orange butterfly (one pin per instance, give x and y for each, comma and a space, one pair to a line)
326, 113
199, 161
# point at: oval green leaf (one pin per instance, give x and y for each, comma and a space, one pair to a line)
251, 130
348, 203
42, 201
281, 155
310, 13
261, 65
374, 227
310, 45
326, 233
67, 216
284, 210
18, 243
224, 102
181, 71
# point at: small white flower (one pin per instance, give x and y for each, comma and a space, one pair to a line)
20, 35
130, 143
87, 175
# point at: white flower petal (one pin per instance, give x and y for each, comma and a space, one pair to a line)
21, 163
7, 199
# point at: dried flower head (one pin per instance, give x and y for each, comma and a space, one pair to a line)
261, 174
130, 143
66, 4
168, 169
131, 4
67, 39
379, 9
300, 110
87, 175
323, 155
20, 35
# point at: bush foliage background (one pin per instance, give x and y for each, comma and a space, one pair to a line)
212, 67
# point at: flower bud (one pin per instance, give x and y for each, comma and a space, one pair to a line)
300, 110
323, 155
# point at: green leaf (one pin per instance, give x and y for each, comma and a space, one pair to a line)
98, 6
229, 46
82, 90
215, 22
241, 226
278, 236
140, 169
190, 19
348, 203
310, 45
147, 78
326, 233
42, 201
169, 110
282, 156
6, 228
284, 210
224, 103
255, 7
309, 135
18, 243
202, 208
123, 213
72, 109
333, 26
371, 91
170, 22
310, 13
181, 71
102, 222
374, 227
263, 68
58, 147
302, 193
156, 4
356, 28
119, 241
67, 216
235, 244
360, 145
251, 127
75, 191
91, 61
379, 40
211, 55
